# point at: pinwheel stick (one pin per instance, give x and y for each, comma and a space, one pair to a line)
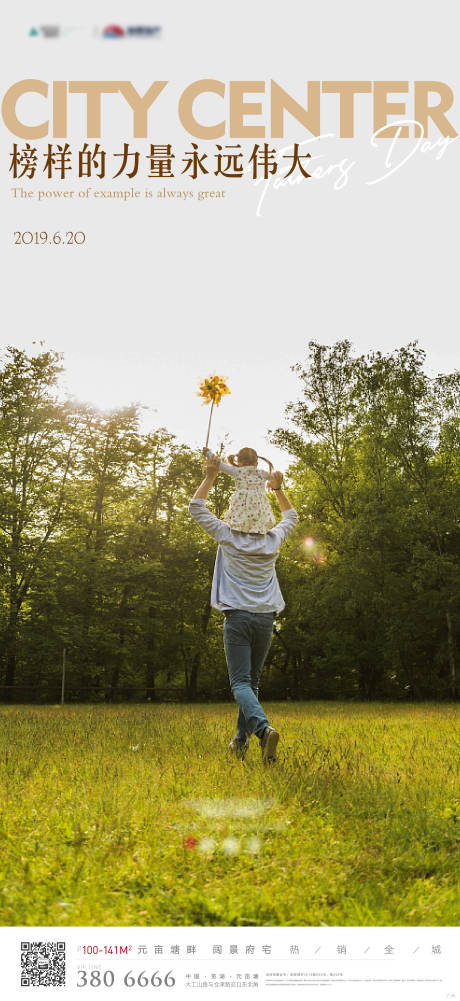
209, 424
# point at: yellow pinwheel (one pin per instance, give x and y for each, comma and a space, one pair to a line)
211, 390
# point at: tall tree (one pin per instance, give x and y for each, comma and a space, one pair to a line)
37, 451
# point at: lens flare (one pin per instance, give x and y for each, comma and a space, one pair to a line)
313, 549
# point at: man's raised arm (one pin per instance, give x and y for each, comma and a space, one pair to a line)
275, 484
212, 470
206, 519
289, 516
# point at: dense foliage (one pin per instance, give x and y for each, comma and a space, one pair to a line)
98, 553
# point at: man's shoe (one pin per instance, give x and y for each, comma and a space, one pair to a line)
268, 744
237, 748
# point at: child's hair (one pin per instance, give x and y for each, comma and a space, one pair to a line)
248, 457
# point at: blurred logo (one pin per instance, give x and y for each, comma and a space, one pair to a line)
113, 31
53, 31
110, 31
142, 30
46, 31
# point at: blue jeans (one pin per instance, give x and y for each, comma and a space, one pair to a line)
247, 640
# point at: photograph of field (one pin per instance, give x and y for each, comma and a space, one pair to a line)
127, 797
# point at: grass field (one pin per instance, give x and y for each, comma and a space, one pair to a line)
135, 815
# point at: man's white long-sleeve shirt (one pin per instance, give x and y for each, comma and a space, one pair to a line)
244, 571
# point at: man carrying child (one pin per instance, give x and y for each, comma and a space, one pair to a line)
245, 588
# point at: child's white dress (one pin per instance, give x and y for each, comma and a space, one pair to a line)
249, 509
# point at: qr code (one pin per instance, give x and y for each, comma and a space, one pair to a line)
42, 964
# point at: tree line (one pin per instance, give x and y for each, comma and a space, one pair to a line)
99, 555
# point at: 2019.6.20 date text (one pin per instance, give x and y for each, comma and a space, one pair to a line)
64, 239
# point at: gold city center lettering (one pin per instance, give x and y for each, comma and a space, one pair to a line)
243, 116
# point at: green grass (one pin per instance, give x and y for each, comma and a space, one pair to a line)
357, 824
